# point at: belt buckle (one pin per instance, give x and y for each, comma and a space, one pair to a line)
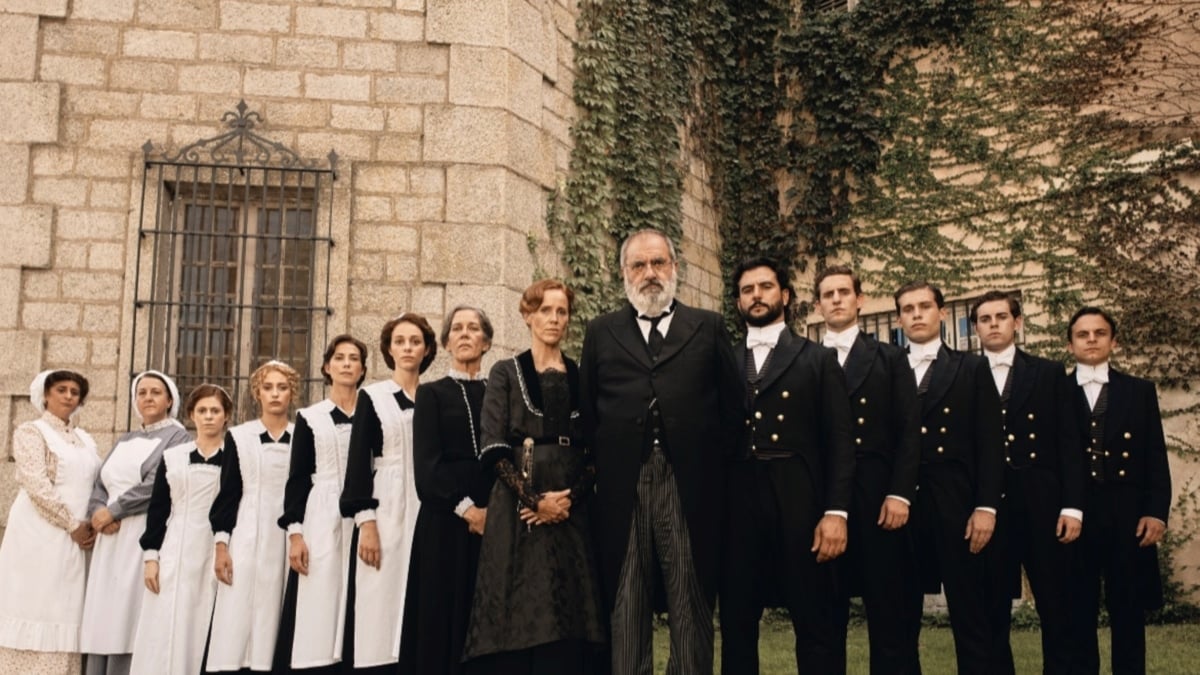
564, 441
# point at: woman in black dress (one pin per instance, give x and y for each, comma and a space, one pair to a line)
453, 489
536, 609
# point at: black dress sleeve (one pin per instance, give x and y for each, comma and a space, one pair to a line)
366, 442
300, 471
223, 514
508, 473
158, 512
585, 484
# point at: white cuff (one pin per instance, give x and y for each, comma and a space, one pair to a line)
295, 528
462, 507
842, 514
986, 509
150, 555
1072, 513
900, 499
220, 538
364, 516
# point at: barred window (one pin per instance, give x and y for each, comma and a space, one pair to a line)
232, 264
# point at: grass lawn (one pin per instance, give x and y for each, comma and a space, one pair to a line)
1169, 649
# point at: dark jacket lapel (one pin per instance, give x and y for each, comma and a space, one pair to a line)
1023, 379
859, 361
945, 368
1120, 402
683, 328
786, 350
628, 334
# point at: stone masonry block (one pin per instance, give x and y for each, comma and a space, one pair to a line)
529, 151
525, 203
370, 209
331, 22
364, 118
103, 10
168, 107
529, 33
82, 70
391, 238
401, 268
105, 351
124, 134
411, 89
429, 300
102, 319
456, 253
70, 254
465, 135
92, 286
338, 87
471, 22
379, 56
160, 44
90, 225
478, 76
383, 178
427, 181
80, 38
475, 194
306, 52
190, 14
348, 146
398, 148
424, 59
29, 112
54, 316
25, 350
39, 284
410, 5
260, 82
524, 90
32, 248
106, 103
418, 208
295, 113
206, 79
369, 265
255, 17
10, 296
109, 194
67, 349
19, 35
106, 256
14, 173
142, 75
397, 26
56, 8
60, 191
405, 119
236, 48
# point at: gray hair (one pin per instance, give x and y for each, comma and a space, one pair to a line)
645, 232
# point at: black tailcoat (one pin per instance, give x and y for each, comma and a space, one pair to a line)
699, 390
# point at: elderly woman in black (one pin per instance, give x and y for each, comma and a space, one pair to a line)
454, 489
536, 609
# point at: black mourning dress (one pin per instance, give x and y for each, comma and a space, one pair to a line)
441, 579
537, 597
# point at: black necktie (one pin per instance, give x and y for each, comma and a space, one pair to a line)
655, 340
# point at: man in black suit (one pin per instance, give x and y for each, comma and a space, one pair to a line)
960, 480
662, 410
884, 411
1043, 478
789, 493
1127, 497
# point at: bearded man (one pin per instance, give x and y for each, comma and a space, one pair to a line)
661, 405
790, 489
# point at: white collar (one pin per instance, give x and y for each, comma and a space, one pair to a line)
1084, 371
844, 338
1007, 354
765, 334
930, 348
460, 375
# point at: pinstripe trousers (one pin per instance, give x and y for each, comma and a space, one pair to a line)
659, 534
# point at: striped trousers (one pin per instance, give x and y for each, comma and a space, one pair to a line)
659, 534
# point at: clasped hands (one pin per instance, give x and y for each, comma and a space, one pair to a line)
553, 507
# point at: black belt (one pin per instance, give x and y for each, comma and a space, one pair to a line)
564, 441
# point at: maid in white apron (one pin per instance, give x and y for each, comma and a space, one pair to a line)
381, 495
177, 544
251, 550
42, 561
314, 607
117, 510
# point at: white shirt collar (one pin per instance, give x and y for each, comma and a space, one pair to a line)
844, 339
1084, 373
928, 349
1006, 355
768, 335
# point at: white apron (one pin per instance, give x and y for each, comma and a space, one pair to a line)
114, 597
246, 616
379, 594
42, 571
321, 594
174, 623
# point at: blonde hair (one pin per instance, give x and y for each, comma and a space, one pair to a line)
260, 374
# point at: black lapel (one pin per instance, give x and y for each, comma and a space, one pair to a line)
629, 335
1023, 378
945, 369
1120, 401
572, 382
786, 351
1081, 402
859, 360
533, 386
683, 328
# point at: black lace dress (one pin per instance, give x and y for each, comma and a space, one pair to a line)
537, 603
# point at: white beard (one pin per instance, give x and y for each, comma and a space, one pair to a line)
651, 301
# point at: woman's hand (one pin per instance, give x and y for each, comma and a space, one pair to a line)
223, 565
368, 544
553, 507
101, 519
298, 553
476, 519
84, 536
112, 528
150, 576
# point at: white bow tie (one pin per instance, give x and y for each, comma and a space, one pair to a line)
752, 342
915, 360
1091, 375
839, 341
1000, 360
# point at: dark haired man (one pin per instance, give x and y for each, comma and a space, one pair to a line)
1043, 478
790, 493
1127, 496
960, 480
884, 412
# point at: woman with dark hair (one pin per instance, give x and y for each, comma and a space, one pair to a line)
117, 510
380, 494
536, 609
314, 608
454, 489
42, 557
177, 544
250, 557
